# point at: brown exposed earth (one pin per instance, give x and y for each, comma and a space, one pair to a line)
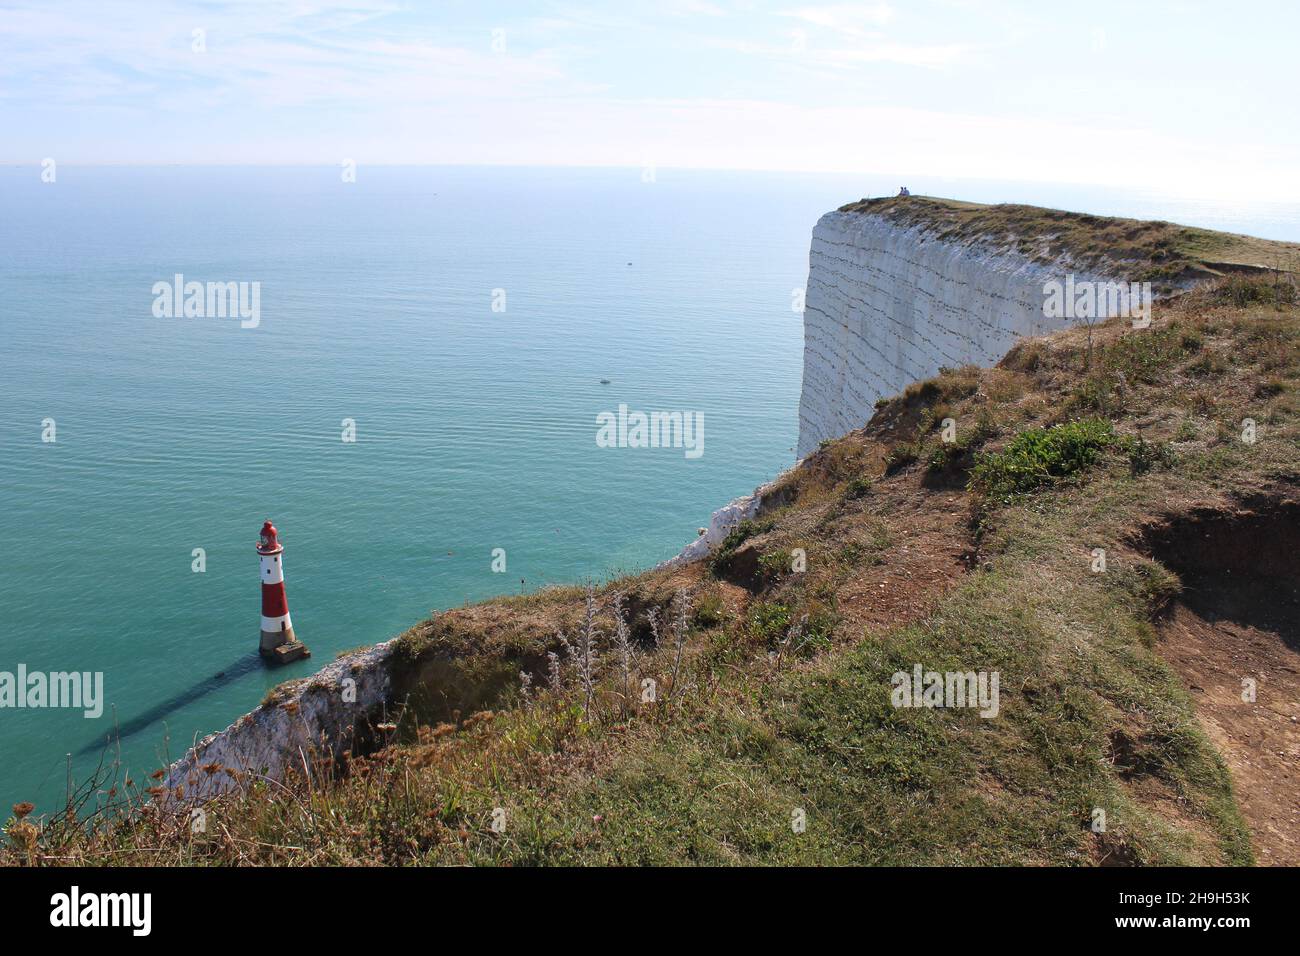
1233, 635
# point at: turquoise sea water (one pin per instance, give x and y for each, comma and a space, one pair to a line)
475, 429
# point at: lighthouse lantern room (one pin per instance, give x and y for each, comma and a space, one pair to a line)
279, 645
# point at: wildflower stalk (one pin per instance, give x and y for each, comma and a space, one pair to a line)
792, 636
554, 676
652, 617
680, 626
585, 653
623, 644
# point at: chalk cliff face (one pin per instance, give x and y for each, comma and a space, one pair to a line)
313, 717
890, 304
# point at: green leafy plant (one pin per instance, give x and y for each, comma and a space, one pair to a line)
775, 565
769, 620
1038, 457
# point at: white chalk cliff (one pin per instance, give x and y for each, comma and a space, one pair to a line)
310, 718
890, 304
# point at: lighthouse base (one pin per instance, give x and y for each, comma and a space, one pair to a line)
287, 652
282, 647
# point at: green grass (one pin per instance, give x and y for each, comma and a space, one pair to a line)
883, 786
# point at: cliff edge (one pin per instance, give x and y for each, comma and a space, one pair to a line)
899, 288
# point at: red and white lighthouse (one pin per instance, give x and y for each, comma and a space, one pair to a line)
279, 645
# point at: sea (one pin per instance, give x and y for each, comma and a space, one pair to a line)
414, 402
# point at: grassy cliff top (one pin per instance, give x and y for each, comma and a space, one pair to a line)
1120, 684
1143, 250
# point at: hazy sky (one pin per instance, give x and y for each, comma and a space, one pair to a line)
1198, 97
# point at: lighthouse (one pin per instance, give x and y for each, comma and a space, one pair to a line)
279, 645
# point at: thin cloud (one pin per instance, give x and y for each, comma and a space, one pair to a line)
906, 54
849, 19
802, 49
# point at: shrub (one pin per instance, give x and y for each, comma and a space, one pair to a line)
942, 457
1243, 291
769, 620
1038, 457
851, 553
791, 634
1192, 340
738, 535
775, 565
1187, 431
1150, 584
900, 457
1027, 356
1096, 394
710, 612
1207, 363
948, 454
818, 630
857, 488
1143, 355
1270, 388
1144, 455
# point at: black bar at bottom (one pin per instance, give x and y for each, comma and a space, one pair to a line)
940, 905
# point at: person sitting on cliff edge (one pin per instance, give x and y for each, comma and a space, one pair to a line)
903, 191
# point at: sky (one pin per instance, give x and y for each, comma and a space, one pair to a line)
1188, 96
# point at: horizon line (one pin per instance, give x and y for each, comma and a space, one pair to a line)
1139, 189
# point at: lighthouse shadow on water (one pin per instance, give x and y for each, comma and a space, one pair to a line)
278, 645
243, 666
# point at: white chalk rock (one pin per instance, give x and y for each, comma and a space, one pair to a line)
324, 710
888, 305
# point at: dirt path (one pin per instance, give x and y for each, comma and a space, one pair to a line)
1213, 641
